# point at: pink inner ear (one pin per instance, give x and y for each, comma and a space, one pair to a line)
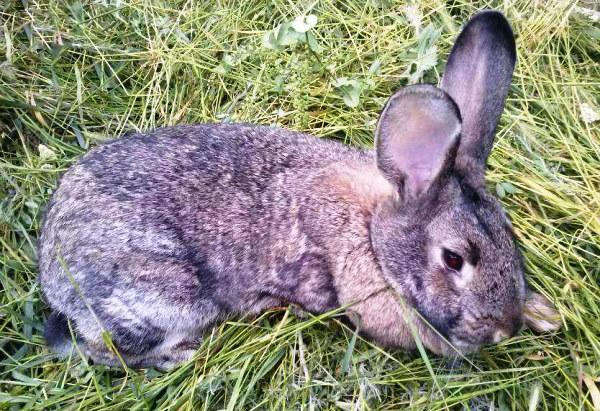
418, 135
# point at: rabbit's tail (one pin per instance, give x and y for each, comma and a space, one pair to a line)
57, 334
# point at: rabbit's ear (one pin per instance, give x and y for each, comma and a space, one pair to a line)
416, 138
477, 77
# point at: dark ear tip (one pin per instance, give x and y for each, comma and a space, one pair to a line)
494, 28
492, 19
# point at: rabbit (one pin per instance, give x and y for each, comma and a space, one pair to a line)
154, 238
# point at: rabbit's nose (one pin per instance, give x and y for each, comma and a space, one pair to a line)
513, 324
508, 330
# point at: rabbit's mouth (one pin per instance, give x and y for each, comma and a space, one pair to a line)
463, 346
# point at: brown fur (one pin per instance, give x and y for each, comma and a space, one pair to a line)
373, 305
156, 237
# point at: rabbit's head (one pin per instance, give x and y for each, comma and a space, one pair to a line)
447, 246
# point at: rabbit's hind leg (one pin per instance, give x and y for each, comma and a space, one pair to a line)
175, 350
164, 357
165, 354
58, 335
140, 341
65, 341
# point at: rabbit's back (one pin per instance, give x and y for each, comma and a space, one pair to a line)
173, 228
161, 194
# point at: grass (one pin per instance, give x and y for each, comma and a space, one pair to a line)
73, 75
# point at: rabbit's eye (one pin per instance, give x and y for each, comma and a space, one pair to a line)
452, 260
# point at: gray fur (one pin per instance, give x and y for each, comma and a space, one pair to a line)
477, 77
156, 237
